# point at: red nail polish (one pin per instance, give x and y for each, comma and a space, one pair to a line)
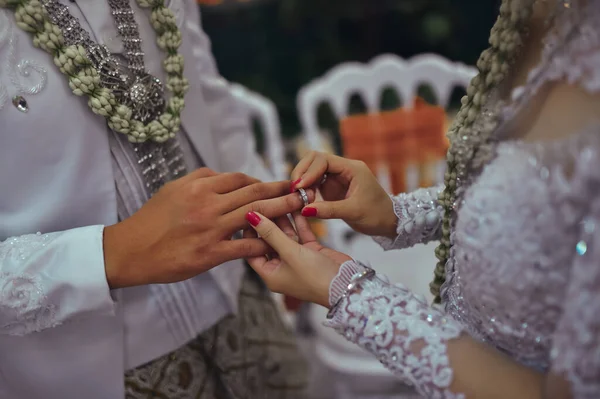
294, 184
253, 218
309, 212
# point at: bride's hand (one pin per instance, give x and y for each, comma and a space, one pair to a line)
303, 268
351, 192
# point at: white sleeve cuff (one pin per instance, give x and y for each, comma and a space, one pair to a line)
49, 279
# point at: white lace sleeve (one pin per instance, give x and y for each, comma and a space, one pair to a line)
407, 335
47, 279
419, 218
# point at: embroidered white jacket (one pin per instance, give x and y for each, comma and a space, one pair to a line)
61, 329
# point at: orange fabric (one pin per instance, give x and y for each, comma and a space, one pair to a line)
396, 139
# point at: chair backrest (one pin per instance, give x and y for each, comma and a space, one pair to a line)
369, 80
264, 110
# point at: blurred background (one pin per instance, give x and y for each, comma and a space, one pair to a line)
376, 80
277, 46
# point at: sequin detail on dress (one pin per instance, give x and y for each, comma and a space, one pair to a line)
407, 335
523, 272
25, 76
22, 298
575, 352
419, 218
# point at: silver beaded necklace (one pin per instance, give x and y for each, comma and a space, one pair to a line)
132, 85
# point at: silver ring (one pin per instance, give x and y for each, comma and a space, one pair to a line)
304, 196
324, 179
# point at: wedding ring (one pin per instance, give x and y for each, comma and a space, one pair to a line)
304, 196
324, 179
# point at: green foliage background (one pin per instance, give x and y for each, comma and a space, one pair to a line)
276, 46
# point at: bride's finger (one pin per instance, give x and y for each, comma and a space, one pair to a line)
322, 164
305, 233
269, 270
257, 261
285, 224
273, 236
301, 167
312, 173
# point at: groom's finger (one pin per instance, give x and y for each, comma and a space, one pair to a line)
272, 235
285, 224
271, 208
255, 261
303, 228
243, 248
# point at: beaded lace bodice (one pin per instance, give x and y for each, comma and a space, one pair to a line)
524, 269
513, 253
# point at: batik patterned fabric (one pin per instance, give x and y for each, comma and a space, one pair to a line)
249, 355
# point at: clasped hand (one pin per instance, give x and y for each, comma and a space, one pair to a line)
303, 268
187, 227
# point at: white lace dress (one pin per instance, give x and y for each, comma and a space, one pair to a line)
524, 272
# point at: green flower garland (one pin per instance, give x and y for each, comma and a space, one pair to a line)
31, 16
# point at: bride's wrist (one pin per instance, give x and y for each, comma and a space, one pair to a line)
347, 282
339, 284
388, 225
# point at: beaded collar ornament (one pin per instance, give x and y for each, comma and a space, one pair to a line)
132, 101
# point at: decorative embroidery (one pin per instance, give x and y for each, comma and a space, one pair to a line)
23, 302
523, 273
25, 76
575, 350
419, 218
407, 335
127, 96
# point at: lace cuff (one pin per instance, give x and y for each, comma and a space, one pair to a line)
419, 218
47, 279
340, 282
407, 335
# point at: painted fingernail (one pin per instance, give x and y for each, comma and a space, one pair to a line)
309, 212
253, 218
294, 184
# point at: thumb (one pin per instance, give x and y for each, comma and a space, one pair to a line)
328, 210
272, 235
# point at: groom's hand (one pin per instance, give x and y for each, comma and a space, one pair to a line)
186, 228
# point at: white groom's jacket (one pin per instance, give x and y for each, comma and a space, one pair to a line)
56, 175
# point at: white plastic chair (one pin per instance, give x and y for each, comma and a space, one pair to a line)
265, 112
369, 81
354, 368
